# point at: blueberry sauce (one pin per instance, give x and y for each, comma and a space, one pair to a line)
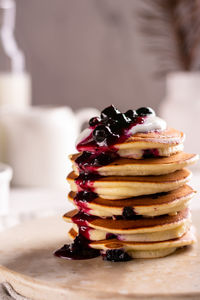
83, 198
111, 128
104, 137
128, 213
85, 231
79, 249
89, 162
110, 236
82, 219
150, 153
85, 181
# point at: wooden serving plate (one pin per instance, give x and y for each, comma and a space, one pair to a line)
27, 262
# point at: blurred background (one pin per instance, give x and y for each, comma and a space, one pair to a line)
87, 53
62, 62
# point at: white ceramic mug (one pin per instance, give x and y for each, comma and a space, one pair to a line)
37, 142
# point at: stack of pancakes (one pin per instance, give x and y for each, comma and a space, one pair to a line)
138, 205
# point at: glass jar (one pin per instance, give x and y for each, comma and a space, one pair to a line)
15, 82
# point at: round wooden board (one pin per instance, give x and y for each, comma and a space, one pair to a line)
27, 262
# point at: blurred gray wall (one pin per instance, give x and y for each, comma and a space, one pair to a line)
87, 53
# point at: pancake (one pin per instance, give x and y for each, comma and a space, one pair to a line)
142, 167
186, 239
151, 205
137, 153
168, 234
140, 225
166, 143
121, 187
142, 249
154, 139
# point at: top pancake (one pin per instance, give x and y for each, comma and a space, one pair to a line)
140, 167
154, 139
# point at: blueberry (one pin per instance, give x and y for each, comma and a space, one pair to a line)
122, 119
101, 160
83, 157
115, 129
128, 212
144, 111
78, 244
117, 255
100, 133
110, 236
94, 121
131, 114
104, 159
110, 121
85, 196
109, 112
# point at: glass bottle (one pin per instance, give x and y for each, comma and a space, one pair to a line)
15, 82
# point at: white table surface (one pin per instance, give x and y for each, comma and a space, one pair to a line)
29, 203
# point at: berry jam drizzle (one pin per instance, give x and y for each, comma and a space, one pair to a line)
85, 182
82, 219
79, 249
113, 127
112, 136
149, 153
82, 198
89, 162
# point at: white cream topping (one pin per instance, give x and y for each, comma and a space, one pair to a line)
151, 123
83, 135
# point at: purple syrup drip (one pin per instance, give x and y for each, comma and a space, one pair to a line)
149, 153
79, 249
110, 236
82, 219
85, 231
89, 162
128, 213
83, 198
86, 181
95, 156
